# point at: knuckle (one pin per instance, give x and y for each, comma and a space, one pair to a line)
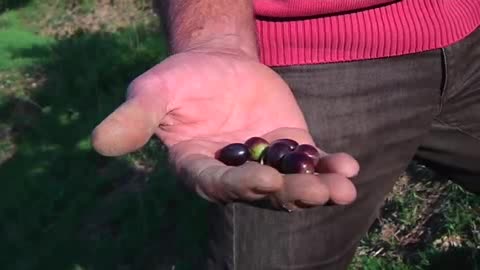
268, 183
137, 85
144, 83
319, 195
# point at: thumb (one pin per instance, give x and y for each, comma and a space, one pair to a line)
129, 127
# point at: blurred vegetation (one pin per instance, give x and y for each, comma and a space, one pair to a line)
62, 205
12, 4
14, 37
64, 66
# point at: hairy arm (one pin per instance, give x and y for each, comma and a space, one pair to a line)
223, 24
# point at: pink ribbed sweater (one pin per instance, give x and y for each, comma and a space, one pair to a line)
293, 32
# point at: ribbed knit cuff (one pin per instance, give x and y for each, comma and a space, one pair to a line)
406, 27
303, 8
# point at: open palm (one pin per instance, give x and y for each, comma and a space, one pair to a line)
196, 103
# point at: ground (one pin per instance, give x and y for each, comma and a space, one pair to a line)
64, 65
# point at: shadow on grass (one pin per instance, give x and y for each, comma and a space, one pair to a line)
12, 4
62, 205
455, 258
449, 209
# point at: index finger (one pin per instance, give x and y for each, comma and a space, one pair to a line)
215, 181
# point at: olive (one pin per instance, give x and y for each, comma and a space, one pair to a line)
297, 162
256, 146
291, 143
310, 151
234, 154
274, 154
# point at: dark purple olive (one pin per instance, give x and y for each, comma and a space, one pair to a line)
274, 154
291, 143
297, 162
310, 151
234, 154
256, 146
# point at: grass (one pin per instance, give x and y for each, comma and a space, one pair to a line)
12, 4
65, 207
427, 222
15, 37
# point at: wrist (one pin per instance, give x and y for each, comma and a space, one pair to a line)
228, 44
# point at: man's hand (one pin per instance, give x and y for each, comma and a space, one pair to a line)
197, 102
212, 92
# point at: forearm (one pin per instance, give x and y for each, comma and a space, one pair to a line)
226, 24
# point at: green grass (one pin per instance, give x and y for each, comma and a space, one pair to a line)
428, 223
15, 38
64, 207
